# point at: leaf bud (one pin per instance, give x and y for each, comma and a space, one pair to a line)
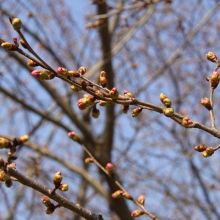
110, 168
168, 112
23, 139
63, 187
186, 122
137, 213
200, 148
57, 178
103, 79
43, 74
141, 199
117, 194
136, 112
8, 183
206, 103
211, 56
4, 143
46, 201
114, 93
16, 23
125, 108
208, 152
72, 135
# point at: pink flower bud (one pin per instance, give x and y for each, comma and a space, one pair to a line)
208, 152
4, 143
186, 122
114, 93
211, 56
72, 135
43, 74
200, 148
141, 199
46, 201
137, 213
83, 103
57, 178
63, 71
110, 168
23, 139
136, 112
117, 194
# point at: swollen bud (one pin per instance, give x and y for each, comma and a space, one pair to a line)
110, 168
168, 112
211, 56
215, 79
72, 135
63, 71
88, 160
4, 143
200, 148
46, 201
162, 97
16, 23
73, 73
128, 94
114, 93
43, 74
186, 122
136, 112
57, 178
83, 103
206, 103
82, 70
23, 139
141, 199
137, 213
7, 46
208, 152
117, 194
102, 79
166, 101
32, 63
63, 187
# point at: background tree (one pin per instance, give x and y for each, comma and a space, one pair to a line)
146, 47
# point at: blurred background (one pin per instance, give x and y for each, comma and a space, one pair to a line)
146, 47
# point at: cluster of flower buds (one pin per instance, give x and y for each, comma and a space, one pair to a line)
102, 79
50, 206
206, 103
114, 93
211, 56
95, 112
215, 79
208, 152
137, 213
141, 199
4, 143
16, 23
85, 102
72, 135
43, 74
57, 179
110, 169
136, 112
88, 160
187, 122
22, 139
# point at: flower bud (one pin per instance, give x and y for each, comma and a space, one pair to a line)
73, 73
46, 201
162, 97
168, 112
200, 148
82, 70
8, 183
206, 103
43, 74
103, 79
63, 187
16, 23
72, 135
32, 63
23, 44
103, 103
137, 213
4, 176
186, 122
83, 103
50, 209
2, 163
125, 108
117, 194
57, 178
15, 40
7, 46
23, 139
63, 71
208, 152
88, 160
4, 143
110, 168
127, 196
141, 199
215, 79
136, 112
128, 94
75, 88
211, 56
95, 113
114, 93
167, 102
